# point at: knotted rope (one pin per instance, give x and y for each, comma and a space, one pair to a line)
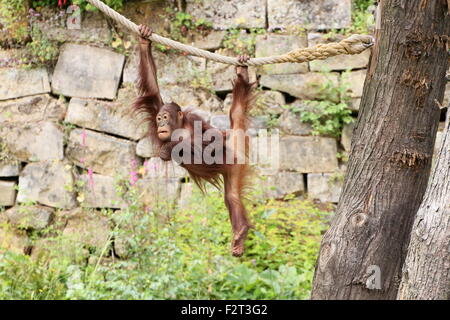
354, 44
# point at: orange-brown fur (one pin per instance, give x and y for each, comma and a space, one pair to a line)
234, 176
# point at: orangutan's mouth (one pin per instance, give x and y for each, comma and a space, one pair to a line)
163, 134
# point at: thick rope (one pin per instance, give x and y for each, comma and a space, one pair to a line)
352, 45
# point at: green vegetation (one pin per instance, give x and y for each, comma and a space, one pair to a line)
5, 155
342, 156
176, 254
328, 117
182, 24
240, 41
13, 14
115, 4
120, 44
273, 122
362, 4
43, 3
362, 19
40, 51
202, 79
22, 30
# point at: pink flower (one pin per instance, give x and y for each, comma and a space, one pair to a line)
133, 177
91, 178
145, 167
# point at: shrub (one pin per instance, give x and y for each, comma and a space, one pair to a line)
13, 14
328, 117
179, 254
362, 19
182, 24
40, 51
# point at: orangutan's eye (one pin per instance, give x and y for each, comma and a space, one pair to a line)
165, 117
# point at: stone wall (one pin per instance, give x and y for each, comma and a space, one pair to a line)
68, 139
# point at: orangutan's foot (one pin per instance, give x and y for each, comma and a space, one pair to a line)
238, 241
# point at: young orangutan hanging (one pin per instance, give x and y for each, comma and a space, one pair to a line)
167, 120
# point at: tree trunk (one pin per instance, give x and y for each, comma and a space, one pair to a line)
362, 253
426, 272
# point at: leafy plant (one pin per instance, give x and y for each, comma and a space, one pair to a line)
240, 41
273, 122
13, 14
328, 117
176, 254
45, 3
120, 45
184, 22
40, 51
181, 23
362, 19
342, 156
362, 4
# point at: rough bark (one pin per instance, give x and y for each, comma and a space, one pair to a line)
426, 271
390, 156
